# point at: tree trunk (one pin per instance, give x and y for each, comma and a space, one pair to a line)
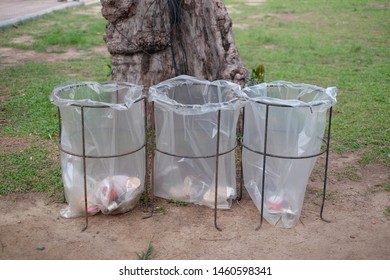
154, 40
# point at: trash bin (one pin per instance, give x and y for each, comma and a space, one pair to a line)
195, 127
285, 123
102, 143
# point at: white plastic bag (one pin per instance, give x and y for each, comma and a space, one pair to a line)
296, 125
110, 114
186, 121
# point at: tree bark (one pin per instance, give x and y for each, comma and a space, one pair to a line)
153, 40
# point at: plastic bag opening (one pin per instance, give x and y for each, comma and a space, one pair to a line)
119, 96
292, 95
190, 95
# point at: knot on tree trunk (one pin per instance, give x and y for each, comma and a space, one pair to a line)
146, 41
114, 10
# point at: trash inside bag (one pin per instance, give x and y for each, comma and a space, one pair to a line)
101, 134
186, 120
296, 124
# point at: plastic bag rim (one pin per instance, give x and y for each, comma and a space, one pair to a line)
156, 91
331, 92
92, 103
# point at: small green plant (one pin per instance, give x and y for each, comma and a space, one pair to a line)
144, 199
147, 254
161, 210
387, 184
177, 202
238, 137
350, 172
257, 75
386, 212
328, 195
109, 66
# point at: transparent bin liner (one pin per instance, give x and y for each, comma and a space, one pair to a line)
113, 130
186, 120
295, 129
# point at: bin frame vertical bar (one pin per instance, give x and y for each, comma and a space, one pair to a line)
264, 166
217, 171
241, 150
59, 143
84, 168
326, 166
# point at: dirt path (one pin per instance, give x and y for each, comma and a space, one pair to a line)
31, 227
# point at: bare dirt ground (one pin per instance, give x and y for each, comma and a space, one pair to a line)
359, 228
31, 226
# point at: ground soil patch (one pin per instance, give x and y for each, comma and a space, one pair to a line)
31, 226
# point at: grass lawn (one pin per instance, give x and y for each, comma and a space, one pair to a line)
326, 43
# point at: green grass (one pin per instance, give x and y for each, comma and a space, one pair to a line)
349, 172
147, 254
30, 169
57, 31
26, 88
327, 43
29, 110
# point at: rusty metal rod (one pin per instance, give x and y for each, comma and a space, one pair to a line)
326, 167
264, 166
216, 172
84, 169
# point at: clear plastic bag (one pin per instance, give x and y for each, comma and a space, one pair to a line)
296, 125
186, 121
109, 114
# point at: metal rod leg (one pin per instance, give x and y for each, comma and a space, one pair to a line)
59, 145
241, 179
216, 173
84, 169
326, 167
264, 166
241, 150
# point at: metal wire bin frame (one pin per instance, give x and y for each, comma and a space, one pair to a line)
265, 154
86, 156
217, 156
